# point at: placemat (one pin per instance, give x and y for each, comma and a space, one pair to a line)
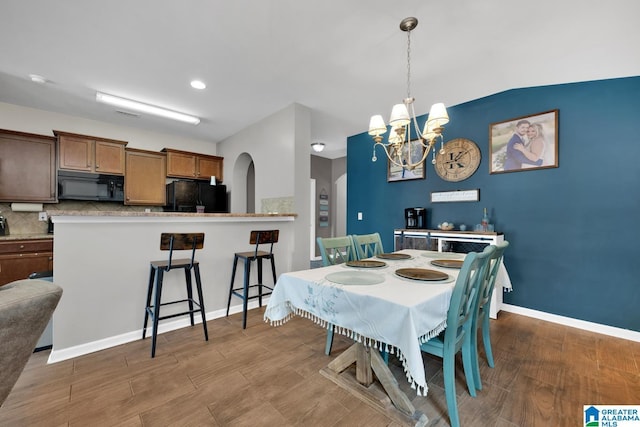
422, 274
365, 264
393, 255
448, 263
438, 255
355, 277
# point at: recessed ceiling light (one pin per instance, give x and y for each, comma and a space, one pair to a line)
37, 79
197, 84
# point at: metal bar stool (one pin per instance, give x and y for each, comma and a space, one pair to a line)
175, 242
257, 238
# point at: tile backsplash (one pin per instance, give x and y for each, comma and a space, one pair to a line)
277, 205
28, 223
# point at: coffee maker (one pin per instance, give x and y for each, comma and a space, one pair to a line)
415, 218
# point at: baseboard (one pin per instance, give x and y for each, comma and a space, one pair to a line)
626, 334
90, 347
93, 346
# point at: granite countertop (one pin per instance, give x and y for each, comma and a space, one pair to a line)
26, 237
166, 214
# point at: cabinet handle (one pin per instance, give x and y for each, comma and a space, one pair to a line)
21, 246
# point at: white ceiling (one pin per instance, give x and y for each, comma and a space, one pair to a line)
344, 59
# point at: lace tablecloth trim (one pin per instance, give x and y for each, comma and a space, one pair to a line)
369, 342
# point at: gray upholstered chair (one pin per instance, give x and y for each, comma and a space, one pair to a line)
25, 309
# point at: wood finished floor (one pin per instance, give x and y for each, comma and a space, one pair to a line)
268, 376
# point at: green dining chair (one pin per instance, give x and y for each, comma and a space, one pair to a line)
457, 336
335, 250
484, 307
367, 245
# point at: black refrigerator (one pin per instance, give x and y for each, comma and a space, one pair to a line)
184, 196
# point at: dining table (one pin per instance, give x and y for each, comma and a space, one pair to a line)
390, 303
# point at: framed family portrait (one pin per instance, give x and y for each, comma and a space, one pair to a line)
396, 173
524, 143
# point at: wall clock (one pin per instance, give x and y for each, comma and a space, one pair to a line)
460, 159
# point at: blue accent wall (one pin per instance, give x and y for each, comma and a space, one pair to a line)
574, 230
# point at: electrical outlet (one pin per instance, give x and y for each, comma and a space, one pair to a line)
42, 216
359, 216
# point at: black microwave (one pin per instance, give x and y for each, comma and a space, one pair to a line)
90, 186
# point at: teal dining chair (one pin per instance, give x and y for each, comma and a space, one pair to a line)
367, 245
481, 320
457, 336
335, 250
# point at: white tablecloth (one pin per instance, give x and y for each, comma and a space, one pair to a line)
395, 315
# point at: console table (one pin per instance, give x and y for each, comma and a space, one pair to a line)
406, 238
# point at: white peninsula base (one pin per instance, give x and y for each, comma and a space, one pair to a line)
102, 263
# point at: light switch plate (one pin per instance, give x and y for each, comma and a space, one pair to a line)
42, 216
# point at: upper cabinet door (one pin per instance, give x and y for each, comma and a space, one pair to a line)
109, 158
75, 153
181, 164
209, 166
145, 178
27, 167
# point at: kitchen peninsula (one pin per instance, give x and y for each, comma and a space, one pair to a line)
102, 263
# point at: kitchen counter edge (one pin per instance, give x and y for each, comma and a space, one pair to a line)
57, 213
25, 237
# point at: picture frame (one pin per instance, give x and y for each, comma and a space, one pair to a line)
532, 145
396, 173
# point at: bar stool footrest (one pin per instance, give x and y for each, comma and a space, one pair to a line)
196, 309
239, 292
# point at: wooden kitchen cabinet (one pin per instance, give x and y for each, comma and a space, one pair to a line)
145, 177
20, 258
184, 164
85, 153
27, 167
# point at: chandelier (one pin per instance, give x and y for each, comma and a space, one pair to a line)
402, 149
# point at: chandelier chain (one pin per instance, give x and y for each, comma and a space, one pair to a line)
408, 64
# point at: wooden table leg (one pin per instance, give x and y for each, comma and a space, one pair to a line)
369, 362
364, 374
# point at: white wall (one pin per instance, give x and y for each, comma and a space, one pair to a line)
270, 143
14, 117
280, 148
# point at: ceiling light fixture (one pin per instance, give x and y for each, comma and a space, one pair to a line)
317, 146
37, 79
399, 150
197, 84
145, 108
